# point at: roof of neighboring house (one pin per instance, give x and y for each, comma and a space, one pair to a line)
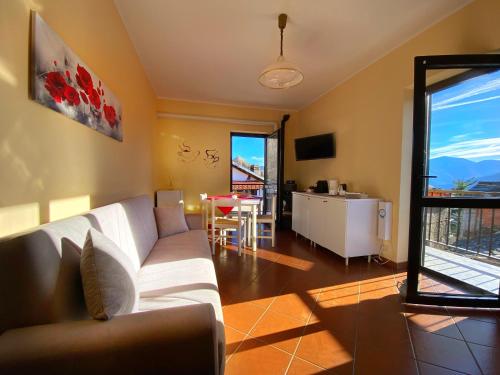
486, 186
248, 171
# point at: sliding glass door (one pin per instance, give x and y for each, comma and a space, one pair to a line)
454, 252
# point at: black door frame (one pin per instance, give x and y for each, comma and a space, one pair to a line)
419, 177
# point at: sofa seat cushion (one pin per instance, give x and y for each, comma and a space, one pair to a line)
179, 271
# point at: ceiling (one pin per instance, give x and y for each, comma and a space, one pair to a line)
214, 50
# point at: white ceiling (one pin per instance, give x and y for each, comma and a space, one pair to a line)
214, 50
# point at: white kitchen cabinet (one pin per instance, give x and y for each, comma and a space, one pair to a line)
317, 217
348, 227
300, 215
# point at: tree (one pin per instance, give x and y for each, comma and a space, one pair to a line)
463, 184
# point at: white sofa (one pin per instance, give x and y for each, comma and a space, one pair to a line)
44, 324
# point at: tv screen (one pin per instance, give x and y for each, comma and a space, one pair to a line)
317, 147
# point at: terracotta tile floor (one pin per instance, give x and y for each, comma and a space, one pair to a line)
295, 309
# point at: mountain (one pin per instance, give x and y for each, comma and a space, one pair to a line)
449, 169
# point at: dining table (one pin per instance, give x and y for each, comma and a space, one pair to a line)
249, 203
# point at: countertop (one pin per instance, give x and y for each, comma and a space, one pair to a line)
325, 195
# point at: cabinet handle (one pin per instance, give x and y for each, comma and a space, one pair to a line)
325, 201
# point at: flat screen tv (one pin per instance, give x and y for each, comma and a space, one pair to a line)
316, 147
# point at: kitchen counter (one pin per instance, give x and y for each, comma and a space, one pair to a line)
326, 195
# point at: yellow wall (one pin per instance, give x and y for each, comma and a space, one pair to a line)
366, 112
197, 177
47, 161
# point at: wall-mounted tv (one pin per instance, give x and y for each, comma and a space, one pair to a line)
316, 147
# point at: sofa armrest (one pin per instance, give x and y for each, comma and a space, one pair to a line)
194, 221
178, 340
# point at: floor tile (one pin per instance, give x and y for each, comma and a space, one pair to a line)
344, 316
439, 324
279, 330
377, 283
443, 351
384, 359
255, 357
475, 314
242, 316
385, 331
428, 369
257, 294
297, 305
487, 357
479, 332
301, 367
233, 339
327, 348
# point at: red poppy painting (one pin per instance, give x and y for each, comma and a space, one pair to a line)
62, 82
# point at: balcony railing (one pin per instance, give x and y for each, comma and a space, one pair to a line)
470, 232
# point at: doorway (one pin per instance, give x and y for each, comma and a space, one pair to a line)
248, 155
454, 241
255, 166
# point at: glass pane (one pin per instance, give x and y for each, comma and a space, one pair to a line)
247, 164
271, 169
463, 134
461, 251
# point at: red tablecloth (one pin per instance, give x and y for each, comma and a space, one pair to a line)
227, 209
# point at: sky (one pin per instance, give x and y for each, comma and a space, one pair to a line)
465, 119
249, 148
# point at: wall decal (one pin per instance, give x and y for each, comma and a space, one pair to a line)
211, 158
61, 81
186, 154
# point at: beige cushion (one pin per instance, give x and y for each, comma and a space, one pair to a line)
170, 220
108, 278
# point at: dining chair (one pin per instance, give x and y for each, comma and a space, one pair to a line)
226, 225
268, 219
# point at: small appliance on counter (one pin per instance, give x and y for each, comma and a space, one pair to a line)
333, 187
342, 189
321, 187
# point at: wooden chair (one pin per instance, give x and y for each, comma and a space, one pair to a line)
268, 219
220, 227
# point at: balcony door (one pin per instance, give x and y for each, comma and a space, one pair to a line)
255, 166
454, 251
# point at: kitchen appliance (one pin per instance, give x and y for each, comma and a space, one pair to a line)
321, 187
333, 187
384, 220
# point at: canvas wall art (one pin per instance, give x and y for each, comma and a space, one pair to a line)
61, 81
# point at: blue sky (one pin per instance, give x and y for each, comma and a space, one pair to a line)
465, 119
249, 148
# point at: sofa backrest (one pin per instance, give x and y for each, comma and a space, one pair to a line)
40, 278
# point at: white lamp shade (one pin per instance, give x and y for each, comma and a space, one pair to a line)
281, 75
